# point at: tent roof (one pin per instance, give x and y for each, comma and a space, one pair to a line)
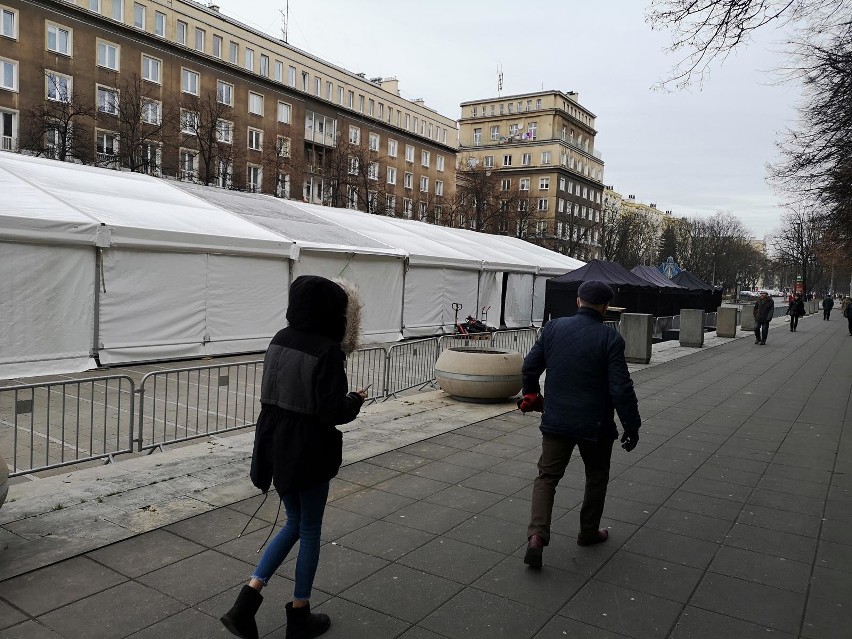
654, 277
690, 281
612, 273
47, 198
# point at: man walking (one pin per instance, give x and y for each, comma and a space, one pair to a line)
587, 380
764, 307
827, 305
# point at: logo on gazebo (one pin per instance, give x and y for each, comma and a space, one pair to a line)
669, 268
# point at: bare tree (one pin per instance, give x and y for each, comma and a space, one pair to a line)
207, 127
796, 243
60, 127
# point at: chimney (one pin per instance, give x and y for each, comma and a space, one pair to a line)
631, 197
653, 205
213, 7
390, 84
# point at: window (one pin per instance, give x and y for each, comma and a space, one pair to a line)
188, 122
151, 69
425, 158
439, 163
255, 178
107, 100
505, 184
199, 39
390, 203
317, 86
108, 54
264, 65
152, 111
373, 171
255, 139
8, 130
182, 28
59, 87
360, 103
408, 180
532, 131
249, 59
282, 146
473, 111
439, 187
351, 96
392, 147
541, 226
188, 164
233, 53
354, 165
538, 103
488, 161
291, 76
545, 157
138, 15
495, 132
217, 46
409, 153
374, 142
117, 10
9, 23
284, 112
59, 39
354, 135
562, 184
407, 207
391, 175
305, 76
524, 184
160, 24
507, 160
340, 95
189, 81
526, 159
8, 75
407, 122
279, 71
371, 105
329, 89
424, 210
94, 5
255, 103
224, 131
514, 130
107, 144
224, 93
477, 137
424, 184
544, 184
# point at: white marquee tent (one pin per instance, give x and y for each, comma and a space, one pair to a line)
129, 268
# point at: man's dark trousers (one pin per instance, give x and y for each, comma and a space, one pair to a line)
761, 330
826, 313
555, 453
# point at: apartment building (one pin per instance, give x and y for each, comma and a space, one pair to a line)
175, 88
541, 145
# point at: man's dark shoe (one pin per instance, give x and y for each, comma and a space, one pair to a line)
757, 341
601, 536
763, 343
535, 548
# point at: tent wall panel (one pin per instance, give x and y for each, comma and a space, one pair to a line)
424, 302
152, 305
519, 297
458, 286
490, 295
47, 306
246, 302
538, 300
379, 279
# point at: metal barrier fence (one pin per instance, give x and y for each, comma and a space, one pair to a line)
368, 367
410, 365
521, 340
55, 424
185, 403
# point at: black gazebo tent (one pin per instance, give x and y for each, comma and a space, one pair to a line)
632, 293
703, 295
672, 296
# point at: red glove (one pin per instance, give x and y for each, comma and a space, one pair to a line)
531, 402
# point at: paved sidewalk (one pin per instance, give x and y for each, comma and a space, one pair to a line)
731, 519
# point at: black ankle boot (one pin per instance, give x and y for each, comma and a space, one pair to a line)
301, 624
240, 618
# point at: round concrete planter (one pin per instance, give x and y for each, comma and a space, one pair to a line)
479, 375
4, 480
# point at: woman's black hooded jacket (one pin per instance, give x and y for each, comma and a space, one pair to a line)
304, 391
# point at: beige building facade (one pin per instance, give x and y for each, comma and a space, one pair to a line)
542, 145
276, 113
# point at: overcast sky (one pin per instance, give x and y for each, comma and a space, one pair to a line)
692, 152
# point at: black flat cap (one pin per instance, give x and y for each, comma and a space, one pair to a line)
595, 292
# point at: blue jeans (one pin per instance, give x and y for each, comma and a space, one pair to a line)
304, 522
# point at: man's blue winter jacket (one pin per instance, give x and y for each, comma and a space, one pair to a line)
587, 378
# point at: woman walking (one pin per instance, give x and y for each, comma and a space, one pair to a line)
795, 311
297, 447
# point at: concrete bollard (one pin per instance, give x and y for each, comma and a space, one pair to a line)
747, 317
726, 321
692, 327
636, 329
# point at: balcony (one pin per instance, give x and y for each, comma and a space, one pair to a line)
6, 143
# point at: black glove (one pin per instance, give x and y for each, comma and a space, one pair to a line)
629, 439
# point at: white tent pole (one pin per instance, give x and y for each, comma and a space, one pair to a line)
96, 324
405, 267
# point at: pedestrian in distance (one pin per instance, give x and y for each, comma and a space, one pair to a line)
586, 383
296, 446
795, 310
764, 307
827, 305
846, 310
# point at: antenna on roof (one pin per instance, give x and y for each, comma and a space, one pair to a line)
499, 78
285, 19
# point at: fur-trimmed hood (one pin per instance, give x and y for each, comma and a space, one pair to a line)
329, 308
